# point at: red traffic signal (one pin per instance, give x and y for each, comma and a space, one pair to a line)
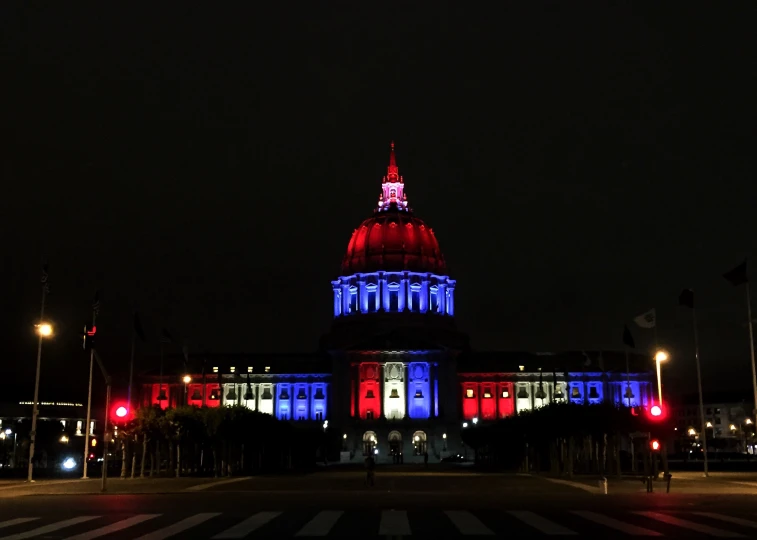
654, 444
120, 413
656, 413
90, 331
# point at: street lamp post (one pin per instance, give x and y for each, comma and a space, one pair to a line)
43, 330
660, 356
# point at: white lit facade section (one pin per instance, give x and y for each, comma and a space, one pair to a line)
394, 390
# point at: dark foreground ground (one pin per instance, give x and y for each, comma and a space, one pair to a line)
420, 504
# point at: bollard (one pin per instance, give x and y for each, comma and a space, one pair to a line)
650, 485
668, 478
603, 485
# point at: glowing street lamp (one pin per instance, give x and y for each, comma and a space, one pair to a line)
659, 357
475, 420
692, 432
45, 329
187, 379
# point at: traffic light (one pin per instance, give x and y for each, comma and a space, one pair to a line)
654, 445
656, 413
90, 331
120, 414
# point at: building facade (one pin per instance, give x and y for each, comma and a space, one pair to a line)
394, 375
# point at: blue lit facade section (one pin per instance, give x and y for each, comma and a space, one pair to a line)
436, 398
419, 390
587, 390
634, 393
318, 401
283, 406
301, 401
394, 292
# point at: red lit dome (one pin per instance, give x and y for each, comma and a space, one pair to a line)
393, 240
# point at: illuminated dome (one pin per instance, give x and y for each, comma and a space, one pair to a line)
393, 240
393, 262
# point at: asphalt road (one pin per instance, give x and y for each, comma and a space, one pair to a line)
414, 504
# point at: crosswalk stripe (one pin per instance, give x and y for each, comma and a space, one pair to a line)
17, 521
728, 519
394, 522
50, 528
686, 524
240, 530
539, 523
113, 527
467, 523
179, 526
321, 524
617, 524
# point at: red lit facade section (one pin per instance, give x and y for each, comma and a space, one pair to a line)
369, 391
487, 400
470, 400
175, 395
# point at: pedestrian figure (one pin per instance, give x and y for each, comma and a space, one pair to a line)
370, 470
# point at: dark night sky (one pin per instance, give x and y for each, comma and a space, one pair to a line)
579, 164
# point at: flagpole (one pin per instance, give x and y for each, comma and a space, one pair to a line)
131, 366
751, 345
160, 390
89, 401
699, 384
628, 377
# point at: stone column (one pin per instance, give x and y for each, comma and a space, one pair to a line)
451, 300
402, 294
337, 299
424, 296
345, 299
432, 389
441, 296
384, 290
362, 296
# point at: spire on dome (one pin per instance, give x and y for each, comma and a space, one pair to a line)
392, 171
393, 187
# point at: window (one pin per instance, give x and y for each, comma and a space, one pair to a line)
353, 300
319, 415
433, 300
419, 394
540, 393
319, 393
487, 394
469, 393
593, 394
266, 394
575, 392
301, 394
394, 393
372, 291
505, 394
394, 297
393, 193
284, 394
558, 391
522, 393
78, 427
369, 414
268, 369
369, 394
415, 298
232, 394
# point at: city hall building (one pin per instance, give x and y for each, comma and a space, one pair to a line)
395, 376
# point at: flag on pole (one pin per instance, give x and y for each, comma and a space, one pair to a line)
166, 337
686, 298
96, 303
647, 320
138, 327
738, 275
628, 338
44, 278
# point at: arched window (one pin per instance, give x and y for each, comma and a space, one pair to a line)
369, 443
419, 443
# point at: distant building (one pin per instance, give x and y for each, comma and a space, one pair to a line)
729, 424
394, 375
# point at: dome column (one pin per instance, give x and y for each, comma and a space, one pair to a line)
362, 296
402, 296
384, 290
345, 299
451, 299
337, 298
424, 295
441, 299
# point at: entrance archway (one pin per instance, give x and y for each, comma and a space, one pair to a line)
419, 443
395, 445
369, 443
